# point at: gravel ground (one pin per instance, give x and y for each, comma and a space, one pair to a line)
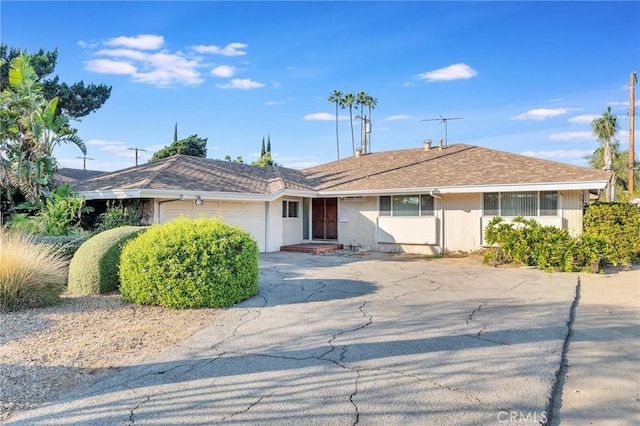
48, 351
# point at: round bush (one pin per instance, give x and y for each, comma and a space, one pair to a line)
189, 264
94, 267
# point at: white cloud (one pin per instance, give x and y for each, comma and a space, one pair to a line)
397, 117
320, 116
231, 49
408, 84
572, 136
241, 83
452, 72
573, 155
583, 119
622, 103
142, 42
107, 66
223, 71
541, 114
160, 68
99, 142
136, 55
282, 102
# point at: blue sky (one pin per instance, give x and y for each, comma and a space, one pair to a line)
526, 77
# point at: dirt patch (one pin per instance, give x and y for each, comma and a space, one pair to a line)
48, 351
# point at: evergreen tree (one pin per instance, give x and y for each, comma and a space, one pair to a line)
175, 133
268, 143
193, 145
74, 101
262, 150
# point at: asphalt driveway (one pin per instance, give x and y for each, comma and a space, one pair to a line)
339, 340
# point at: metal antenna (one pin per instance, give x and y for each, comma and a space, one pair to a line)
136, 150
443, 120
84, 161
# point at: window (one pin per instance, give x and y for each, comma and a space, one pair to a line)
524, 203
406, 205
290, 208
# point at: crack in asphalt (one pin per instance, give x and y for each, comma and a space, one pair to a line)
355, 392
555, 399
249, 407
132, 415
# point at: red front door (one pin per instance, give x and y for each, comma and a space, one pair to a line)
324, 218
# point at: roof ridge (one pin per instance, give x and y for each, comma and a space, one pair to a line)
169, 162
283, 181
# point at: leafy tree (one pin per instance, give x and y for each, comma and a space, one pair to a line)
193, 145
348, 101
30, 129
75, 100
336, 97
605, 128
238, 159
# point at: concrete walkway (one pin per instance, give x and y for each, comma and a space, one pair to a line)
335, 340
602, 382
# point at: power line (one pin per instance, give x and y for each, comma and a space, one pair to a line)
84, 161
136, 150
444, 120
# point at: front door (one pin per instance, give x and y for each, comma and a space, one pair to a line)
324, 218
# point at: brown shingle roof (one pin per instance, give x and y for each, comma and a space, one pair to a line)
457, 165
454, 165
188, 173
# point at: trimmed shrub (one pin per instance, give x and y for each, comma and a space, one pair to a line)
94, 267
189, 264
65, 245
31, 275
618, 225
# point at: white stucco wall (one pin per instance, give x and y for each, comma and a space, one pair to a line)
358, 226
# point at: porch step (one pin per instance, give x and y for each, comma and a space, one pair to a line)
312, 248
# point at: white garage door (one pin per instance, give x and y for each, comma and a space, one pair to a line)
246, 215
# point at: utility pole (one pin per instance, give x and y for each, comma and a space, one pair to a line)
632, 114
365, 127
136, 150
444, 120
84, 161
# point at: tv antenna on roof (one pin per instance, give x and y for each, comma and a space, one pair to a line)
443, 120
84, 159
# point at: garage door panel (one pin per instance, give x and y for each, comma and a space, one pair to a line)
248, 216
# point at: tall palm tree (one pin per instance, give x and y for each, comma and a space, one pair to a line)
348, 101
605, 128
336, 97
620, 166
371, 104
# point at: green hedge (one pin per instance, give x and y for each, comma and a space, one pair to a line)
64, 245
618, 224
94, 267
190, 263
527, 242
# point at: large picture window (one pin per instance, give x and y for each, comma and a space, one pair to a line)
523, 203
406, 205
290, 208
